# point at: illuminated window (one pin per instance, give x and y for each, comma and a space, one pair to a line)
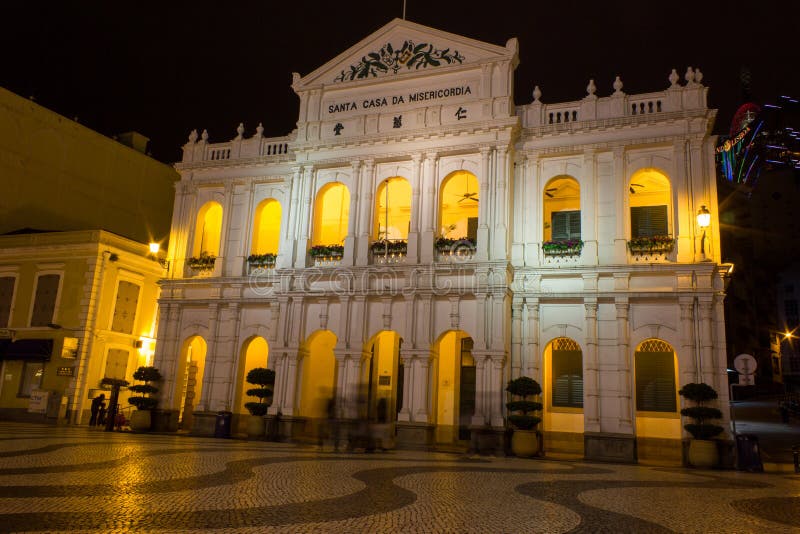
208, 230
392, 209
458, 210
567, 374
267, 227
331, 215
44, 303
649, 199
6, 294
125, 307
562, 209
655, 377
32, 373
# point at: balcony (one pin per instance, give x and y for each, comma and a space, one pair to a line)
449, 250
261, 263
201, 266
326, 255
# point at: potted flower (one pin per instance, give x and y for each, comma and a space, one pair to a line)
141, 419
702, 449
204, 262
653, 243
265, 380
525, 439
397, 246
261, 260
563, 247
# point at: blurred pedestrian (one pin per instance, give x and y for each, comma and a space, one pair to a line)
97, 402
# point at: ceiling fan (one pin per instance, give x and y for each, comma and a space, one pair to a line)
548, 193
468, 196
631, 188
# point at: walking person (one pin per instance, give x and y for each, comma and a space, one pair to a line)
97, 402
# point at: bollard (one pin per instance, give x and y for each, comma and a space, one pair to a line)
796, 455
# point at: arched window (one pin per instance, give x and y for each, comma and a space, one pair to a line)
655, 377
567, 374
392, 209
562, 209
266, 227
458, 208
331, 215
208, 229
649, 199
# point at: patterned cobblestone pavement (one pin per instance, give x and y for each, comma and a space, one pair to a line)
84, 480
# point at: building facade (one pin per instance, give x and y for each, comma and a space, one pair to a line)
75, 307
420, 239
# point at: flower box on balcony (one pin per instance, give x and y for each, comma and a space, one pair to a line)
447, 246
204, 262
569, 247
262, 260
383, 247
327, 252
657, 244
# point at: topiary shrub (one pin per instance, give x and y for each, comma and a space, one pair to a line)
700, 394
265, 379
145, 400
524, 387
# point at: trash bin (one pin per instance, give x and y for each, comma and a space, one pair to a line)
222, 428
748, 456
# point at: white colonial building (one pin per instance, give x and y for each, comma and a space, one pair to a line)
420, 239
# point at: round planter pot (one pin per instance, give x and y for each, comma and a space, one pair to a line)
140, 421
525, 443
255, 427
703, 453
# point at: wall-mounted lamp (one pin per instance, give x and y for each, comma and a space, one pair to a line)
703, 221
155, 248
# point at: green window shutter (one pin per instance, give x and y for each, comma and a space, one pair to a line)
648, 221
655, 382
44, 303
6, 292
565, 225
567, 378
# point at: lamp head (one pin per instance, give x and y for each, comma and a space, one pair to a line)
154, 248
703, 217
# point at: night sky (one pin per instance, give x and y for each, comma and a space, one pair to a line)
163, 68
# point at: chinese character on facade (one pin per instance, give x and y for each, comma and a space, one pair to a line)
337, 130
461, 113
397, 122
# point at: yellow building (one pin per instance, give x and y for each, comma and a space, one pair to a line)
76, 303
74, 307
60, 175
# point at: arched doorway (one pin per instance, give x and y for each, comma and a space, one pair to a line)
458, 206
658, 419
266, 227
331, 215
454, 386
561, 207
208, 230
317, 375
189, 380
380, 373
255, 353
563, 420
649, 196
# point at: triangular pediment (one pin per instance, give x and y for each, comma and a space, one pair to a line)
402, 48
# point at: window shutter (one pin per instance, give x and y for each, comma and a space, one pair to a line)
44, 302
125, 307
117, 363
648, 221
567, 378
565, 225
6, 292
655, 382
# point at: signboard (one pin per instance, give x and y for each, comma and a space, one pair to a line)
384, 380
38, 401
70, 348
747, 380
745, 364
65, 371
